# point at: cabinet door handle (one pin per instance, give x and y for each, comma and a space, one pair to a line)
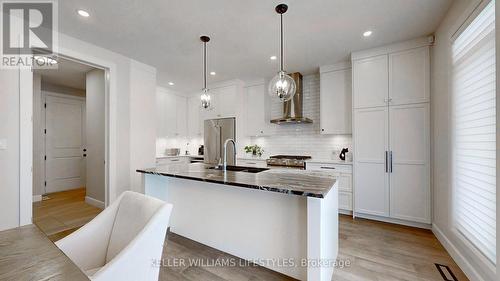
251, 163
386, 162
174, 160
390, 158
329, 168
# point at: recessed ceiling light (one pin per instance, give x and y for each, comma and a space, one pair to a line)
171, 83
212, 73
367, 33
273, 57
83, 13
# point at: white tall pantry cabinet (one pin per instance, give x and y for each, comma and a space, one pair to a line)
391, 130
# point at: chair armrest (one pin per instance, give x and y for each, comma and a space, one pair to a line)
139, 259
87, 247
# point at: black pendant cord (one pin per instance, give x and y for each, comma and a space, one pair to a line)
204, 65
281, 43
205, 40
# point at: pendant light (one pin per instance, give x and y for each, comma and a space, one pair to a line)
282, 85
205, 96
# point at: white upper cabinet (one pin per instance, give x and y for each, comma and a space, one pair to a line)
227, 101
224, 102
409, 76
335, 99
257, 119
195, 128
181, 116
171, 114
161, 124
370, 76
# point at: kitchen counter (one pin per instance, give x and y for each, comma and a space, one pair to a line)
272, 215
168, 156
329, 161
290, 181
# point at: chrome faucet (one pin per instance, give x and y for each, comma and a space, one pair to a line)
225, 152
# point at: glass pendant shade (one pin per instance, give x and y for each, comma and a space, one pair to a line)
282, 86
205, 99
205, 96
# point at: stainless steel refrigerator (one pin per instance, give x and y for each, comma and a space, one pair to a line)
216, 132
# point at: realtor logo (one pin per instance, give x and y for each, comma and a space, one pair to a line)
28, 27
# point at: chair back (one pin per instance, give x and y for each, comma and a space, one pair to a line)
134, 212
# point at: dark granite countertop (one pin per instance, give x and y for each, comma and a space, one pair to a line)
290, 181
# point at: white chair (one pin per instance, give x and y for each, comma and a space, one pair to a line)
124, 242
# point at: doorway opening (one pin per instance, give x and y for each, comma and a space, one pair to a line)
69, 146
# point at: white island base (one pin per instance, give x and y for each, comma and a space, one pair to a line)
276, 230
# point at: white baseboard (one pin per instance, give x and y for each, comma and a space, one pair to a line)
94, 202
394, 221
37, 198
461, 261
345, 212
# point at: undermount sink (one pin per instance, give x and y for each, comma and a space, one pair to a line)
240, 169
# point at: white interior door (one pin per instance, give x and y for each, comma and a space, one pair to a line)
64, 120
370, 177
409, 177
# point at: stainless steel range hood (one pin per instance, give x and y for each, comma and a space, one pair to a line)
294, 117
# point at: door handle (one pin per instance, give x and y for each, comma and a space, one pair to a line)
390, 159
386, 162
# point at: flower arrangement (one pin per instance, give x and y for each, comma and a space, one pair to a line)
254, 149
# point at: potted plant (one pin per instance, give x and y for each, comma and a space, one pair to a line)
255, 150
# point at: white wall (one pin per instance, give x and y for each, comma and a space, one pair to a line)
142, 121
95, 135
9, 158
124, 85
465, 257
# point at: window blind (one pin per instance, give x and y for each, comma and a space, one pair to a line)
474, 133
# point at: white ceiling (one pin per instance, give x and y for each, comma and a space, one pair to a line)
68, 73
165, 33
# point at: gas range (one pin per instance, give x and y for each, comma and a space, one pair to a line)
292, 161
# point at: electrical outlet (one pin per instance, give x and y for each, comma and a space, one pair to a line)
3, 144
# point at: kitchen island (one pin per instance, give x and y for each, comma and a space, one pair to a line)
285, 220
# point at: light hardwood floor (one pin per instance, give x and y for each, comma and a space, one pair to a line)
376, 251
63, 212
